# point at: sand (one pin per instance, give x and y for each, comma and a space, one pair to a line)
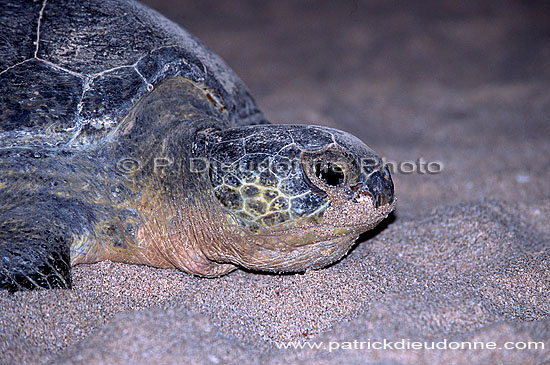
466, 256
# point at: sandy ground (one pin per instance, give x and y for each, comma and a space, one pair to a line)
466, 257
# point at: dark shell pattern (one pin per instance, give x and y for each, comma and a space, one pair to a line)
86, 65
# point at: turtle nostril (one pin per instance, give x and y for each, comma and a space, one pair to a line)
357, 187
380, 185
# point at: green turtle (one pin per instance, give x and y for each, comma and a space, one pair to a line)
123, 138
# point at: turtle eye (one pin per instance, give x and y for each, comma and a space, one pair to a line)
332, 174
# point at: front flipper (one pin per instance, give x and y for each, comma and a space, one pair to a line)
33, 254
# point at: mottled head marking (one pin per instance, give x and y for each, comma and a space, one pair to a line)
261, 181
296, 188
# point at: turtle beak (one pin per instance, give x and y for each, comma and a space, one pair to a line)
379, 185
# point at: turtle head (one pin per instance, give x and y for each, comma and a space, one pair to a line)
294, 196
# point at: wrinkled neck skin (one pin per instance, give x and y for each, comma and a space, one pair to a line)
152, 152
179, 216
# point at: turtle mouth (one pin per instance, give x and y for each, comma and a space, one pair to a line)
330, 229
299, 253
307, 242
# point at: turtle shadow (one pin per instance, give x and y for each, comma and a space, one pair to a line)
371, 233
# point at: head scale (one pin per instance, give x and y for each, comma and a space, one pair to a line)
297, 196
